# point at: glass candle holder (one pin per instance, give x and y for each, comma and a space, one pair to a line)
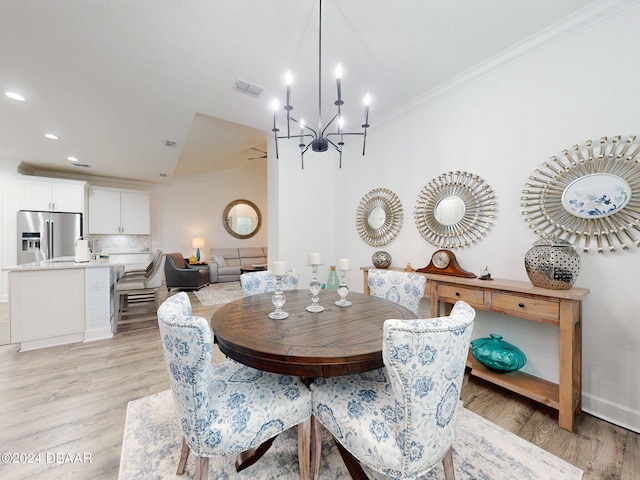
278, 300
314, 288
343, 290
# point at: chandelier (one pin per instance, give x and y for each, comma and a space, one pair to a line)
321, 139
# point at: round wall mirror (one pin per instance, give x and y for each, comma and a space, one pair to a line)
242, 219
449, 210
588, 195
379, 217
454, 210
595, 196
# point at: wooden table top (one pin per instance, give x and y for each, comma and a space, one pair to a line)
336, 341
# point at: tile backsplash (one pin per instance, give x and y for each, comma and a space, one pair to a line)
122, 243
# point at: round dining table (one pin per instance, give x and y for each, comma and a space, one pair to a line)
336, 341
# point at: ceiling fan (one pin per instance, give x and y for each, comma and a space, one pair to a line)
264, 154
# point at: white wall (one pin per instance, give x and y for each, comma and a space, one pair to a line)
8, 216
501, 127
192, 206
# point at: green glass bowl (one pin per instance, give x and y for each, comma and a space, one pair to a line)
497, 355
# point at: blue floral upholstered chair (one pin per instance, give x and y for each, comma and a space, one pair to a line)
406, 289
254, 283
227, 408
399, 420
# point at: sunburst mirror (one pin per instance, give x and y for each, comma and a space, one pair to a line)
454, 210
588, 195
379, 217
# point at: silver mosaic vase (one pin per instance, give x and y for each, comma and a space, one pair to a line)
552, 263
381, 259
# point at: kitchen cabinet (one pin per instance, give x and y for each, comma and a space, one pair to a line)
52, 195
113, 211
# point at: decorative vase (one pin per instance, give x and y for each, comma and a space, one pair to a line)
498, 355
381, 259
552, 263
332, 281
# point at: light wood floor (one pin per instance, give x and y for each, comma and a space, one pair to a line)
73, 399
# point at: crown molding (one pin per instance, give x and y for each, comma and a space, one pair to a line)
29, 170
584, 18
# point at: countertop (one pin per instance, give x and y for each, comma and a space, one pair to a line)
67, 262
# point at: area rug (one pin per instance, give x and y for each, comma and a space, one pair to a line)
482, 451
219, 293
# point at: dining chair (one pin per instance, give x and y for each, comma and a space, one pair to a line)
404, 288
226, 408
137, 289
254, 283
399, 420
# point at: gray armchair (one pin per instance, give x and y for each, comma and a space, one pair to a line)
179, 274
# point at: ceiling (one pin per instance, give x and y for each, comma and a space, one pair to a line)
118, 80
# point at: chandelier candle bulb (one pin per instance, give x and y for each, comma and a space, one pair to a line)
343, 264
338, 77
367, 101
278, 268
288, 80
314, 259
275, 114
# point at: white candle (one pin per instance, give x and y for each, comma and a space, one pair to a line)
343, 264
278, 268
314, 259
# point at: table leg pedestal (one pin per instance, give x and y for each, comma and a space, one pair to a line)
249, 457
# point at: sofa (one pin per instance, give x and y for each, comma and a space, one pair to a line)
225, 263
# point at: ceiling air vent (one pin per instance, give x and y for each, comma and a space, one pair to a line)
84, 165
248, 88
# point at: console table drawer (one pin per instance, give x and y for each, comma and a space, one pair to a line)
472, 296
519, 305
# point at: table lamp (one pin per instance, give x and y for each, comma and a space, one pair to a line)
197, 243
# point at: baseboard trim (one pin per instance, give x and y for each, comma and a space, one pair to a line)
611, 412
98, 334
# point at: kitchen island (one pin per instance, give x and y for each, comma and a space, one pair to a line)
58, 301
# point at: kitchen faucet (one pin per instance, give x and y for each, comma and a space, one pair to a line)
86, 237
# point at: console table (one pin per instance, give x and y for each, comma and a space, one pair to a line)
562, 308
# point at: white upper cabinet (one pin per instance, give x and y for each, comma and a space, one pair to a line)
113, 211
53, 196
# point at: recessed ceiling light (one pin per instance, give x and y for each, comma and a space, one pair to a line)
14, 96
51, 136
72, 159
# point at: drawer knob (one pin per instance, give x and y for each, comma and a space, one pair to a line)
521, 305
457, 294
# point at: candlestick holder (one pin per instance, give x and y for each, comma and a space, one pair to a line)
343, 290
278, 300
314, 288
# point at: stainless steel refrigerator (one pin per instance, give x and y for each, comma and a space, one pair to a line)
45, 235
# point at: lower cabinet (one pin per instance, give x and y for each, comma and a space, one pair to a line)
47, 307
50, 307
